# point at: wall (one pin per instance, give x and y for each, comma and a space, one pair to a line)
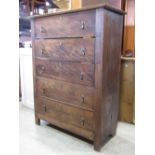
62, 4
26, 77
75, 4
83, 3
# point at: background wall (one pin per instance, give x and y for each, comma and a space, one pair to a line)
26, 77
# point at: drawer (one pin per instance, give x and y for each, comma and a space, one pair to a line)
65, 49
81, 73
65, 25
68, 93
66, 114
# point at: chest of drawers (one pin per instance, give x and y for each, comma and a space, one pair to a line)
76, 63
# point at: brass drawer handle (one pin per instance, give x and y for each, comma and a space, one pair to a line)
44, 107
42, 29
43, 52
82, 99
44, 91
82, 25
60, 44
83, 51
82, 121
81, 76
42, 69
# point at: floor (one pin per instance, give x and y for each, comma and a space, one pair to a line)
45, 140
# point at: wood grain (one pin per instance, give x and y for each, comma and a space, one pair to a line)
111, 64
129, 29
82, 96
89, 8
80, 24
70, 115
107, 72
71, 128
66, 71
78, 50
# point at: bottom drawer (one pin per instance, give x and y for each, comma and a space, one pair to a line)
73, 119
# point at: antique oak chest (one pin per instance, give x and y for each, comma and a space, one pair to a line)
76, 64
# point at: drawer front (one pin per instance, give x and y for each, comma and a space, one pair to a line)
66, 114
66, 49
69, 93
66, 25
66, 71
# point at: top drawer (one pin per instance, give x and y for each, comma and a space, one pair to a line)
66, 25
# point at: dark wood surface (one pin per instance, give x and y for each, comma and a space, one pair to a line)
82, 73
111, 63
89, 8
71, 128
67, 114
107, 71
77, 92
129, 29
82, 96
80, 24
77, 50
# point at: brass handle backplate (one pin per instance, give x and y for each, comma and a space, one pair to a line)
82, 99
42, 69
42, 29
81, 76
43, 52
82, 121
44, 107
44, 91
82, 25
83, 51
